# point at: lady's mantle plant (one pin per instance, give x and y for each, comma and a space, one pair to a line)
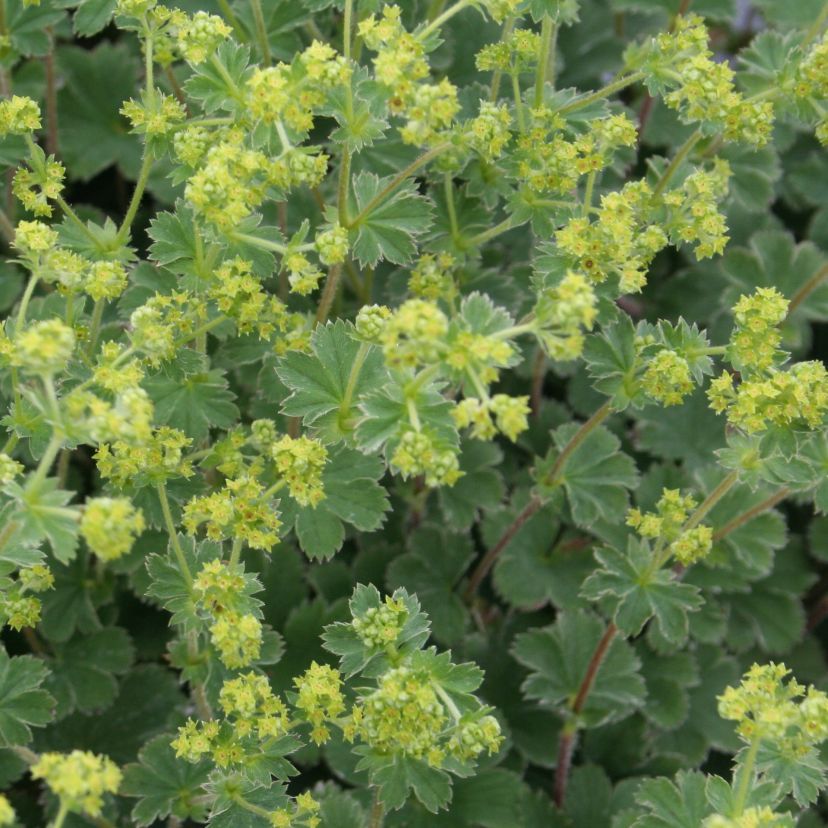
405, 305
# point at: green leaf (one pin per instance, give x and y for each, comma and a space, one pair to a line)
532, 569
668, 678
398, 776
165, 786
611, 358
596, 475
386, 415
91, 16
802, 776
88, 110
636, 593
328, 385
210, 86
85, 667
356, 657
559, 657
673, 804
432, 570
362, 119
480, 489
773, 259
192, 403
70, 605
44, 514
390, 226
352, 495
228, 813
23, 704
27, 26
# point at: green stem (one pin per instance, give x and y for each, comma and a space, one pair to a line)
448, 187
45, 463
519, 114
62, 813
487, 235
590, 186
235, 552
443, 18
395, 182
137, 194
328, 293
746, 777
682, 153
353, 378
241, 34
603, 92
24, 303
202, 329
377, 812
264, 244
808, 288
161, 488
577, 438
544, 51
497, 75
261, 30
75, 219
95, 326
816, 27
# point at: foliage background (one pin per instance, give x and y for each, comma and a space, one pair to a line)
107, 643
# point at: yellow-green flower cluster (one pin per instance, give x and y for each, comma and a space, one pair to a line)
702, 90
158, 324
621, 241
239, 294
19, 115
37, 578
370, 322
380, 626
303, 276
417, 454
301, 461
319, 699
34, 187
754, 342
754, 817
693, 215
510, 416
431, 277
105, 280
403, 715
332, 245
667, 378
468, 353
240, 511
563, 313
304, 814
230, 182
473, 735
400, 65
200, 35
414, 334
516, 52
9, 469
550, 163
110, 525
154, 460
128, 420
118, 375
19, 610
7, 814
45, 347
34, 237
490, 132
80, 779
783, 398
811, 83
155, 115
236, 634
792, 716
63, 268
249, 701
667, 525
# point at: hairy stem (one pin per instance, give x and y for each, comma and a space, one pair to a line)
548, 30
161, 488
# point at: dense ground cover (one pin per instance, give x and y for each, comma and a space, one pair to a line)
414, 413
